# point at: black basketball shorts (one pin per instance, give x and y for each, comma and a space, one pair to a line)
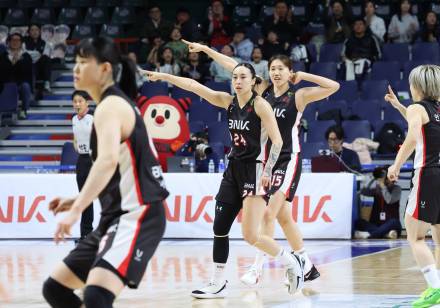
285, 176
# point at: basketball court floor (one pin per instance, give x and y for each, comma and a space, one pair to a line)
353, 274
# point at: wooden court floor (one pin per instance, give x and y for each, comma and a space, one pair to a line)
353, 274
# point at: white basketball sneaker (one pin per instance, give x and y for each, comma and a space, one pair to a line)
295, 275
212, 290
252, 276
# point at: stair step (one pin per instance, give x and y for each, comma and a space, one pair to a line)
55, 97
59, 110
61, 130
30, 163
63, 91
42, 123
62, 84
54, 103
32, 143
31, 151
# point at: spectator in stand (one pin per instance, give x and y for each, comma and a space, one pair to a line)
179, 48
384, 221
361, 44
187, 26
260, 65
242, 45
430, 31
16, 66
195, 68
272, 46
335, 139
218, 26
167, 64
374, 22
218, 72
338, 23
156, 25
40, 54
155, 48
403, 25
283, 23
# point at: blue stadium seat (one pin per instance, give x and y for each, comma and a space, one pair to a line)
425, 52
403, 124
113, 31
70, 16
370, 110
203, 111
177, 93
356, 129
150, 89
219, 132
330, 52
311, 149
408, 67
15, 17
82, 3
395, 52
68, 156
124, 16
107, 3
325, 106
310, 112
196, 126
96, 16
374, 89
385, 71
400, 86
8, 99
326, 69
55, 3
313, 53
219, 86
298, 66
348, 91
42, 16
317, 129
83, 31
391, 114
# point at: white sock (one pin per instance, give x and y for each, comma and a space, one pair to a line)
431, 276
219, 273
260, 258
285, 258
308, 263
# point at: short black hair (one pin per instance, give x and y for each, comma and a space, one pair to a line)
14, 34
83, 94
281, 1
359, 19
337, 129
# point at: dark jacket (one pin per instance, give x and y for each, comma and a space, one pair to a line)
350, 158
163, 29
332, 24
366, 47
287, 31
30, 44
19, 72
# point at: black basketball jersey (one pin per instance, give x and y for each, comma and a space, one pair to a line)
138, 178
248, 136
288, 119
428, 147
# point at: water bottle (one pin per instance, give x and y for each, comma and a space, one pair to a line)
191, 166
221, 166
306, 165
211, 166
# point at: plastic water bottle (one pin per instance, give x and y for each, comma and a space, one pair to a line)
221, 166
211, 166
191, 166
306, 165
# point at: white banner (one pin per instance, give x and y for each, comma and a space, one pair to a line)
322, 206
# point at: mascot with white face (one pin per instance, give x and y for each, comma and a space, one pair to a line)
166, 124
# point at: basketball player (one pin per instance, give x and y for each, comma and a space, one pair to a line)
82, 123
249, 117
289, 106
423, 206
128, 180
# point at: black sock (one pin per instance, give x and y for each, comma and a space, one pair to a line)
220, 251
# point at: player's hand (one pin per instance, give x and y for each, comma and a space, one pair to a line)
65, 225
392, 98
393, 173
265, 181
152, 76
194, 47
59, 205
295, 77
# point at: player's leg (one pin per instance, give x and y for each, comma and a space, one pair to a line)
103, 286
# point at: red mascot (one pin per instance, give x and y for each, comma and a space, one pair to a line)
166, 124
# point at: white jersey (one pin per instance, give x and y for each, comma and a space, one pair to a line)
82, 130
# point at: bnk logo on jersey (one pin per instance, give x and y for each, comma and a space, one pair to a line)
239, 124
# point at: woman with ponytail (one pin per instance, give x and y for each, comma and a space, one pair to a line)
126, 177
244, 184
289, 105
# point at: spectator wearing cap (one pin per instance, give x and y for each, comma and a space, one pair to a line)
187, 26
156, 25
217, 27
374, 22
338, 23
218, 72
260, 65
243, 46
16, 66
283, 23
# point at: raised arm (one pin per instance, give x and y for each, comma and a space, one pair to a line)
267, 116
307, 95
415, 121
392, 99
216, 98
225, 61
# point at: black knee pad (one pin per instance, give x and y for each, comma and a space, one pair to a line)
224, 217
98, 297
59, 296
